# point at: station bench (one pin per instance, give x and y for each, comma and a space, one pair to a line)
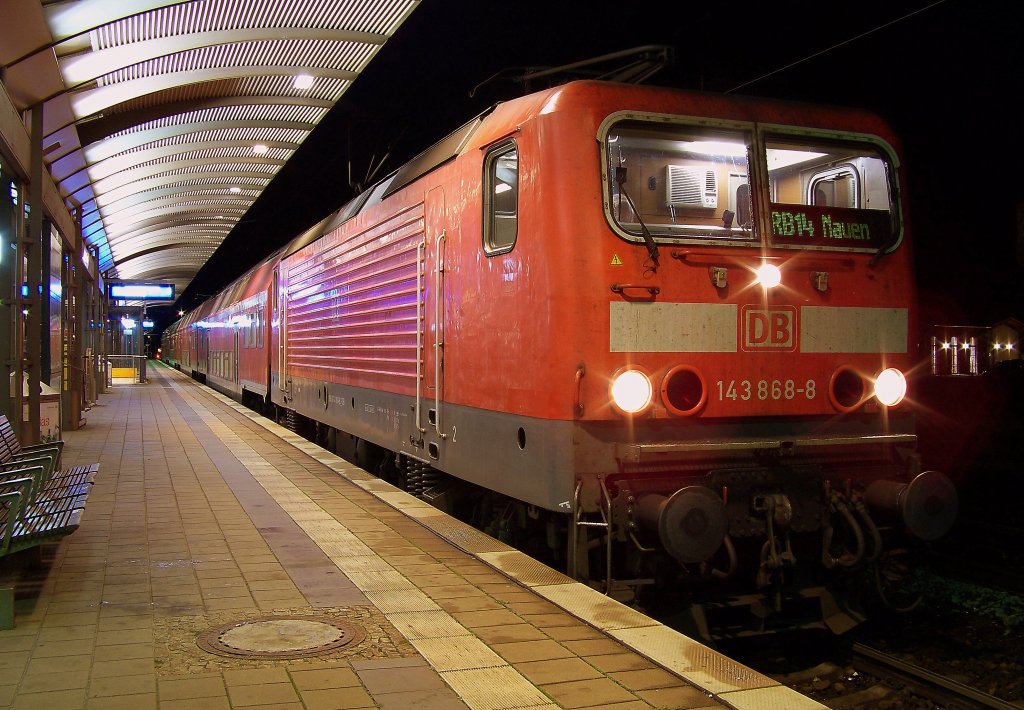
39, 502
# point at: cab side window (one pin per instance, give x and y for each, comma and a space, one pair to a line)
501, 198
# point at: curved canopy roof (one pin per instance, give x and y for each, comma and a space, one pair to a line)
164, 120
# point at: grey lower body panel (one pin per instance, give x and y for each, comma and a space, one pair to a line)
525, 458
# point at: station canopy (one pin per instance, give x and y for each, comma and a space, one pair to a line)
164, 120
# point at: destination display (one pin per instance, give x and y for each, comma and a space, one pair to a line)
140, 292
810, 225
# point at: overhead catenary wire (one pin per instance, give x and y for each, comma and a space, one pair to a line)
834, 46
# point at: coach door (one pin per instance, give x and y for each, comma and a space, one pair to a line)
203, 350
280, 307
432, 304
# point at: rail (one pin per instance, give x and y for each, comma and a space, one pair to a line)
927, 683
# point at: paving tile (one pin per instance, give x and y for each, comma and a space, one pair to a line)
324, 679
646, 679
261, 694
374, 663
509, 634
386, 680
594, 647
680, 697
125, 636
125, 621
122, 685
489, 617
207, 703
46, 682
477, 603
547, 621
139, 701
72, 619
18, 643
522, 651
63, 699
559, 670
230, 603
191, 688
586, 693
131, 666
335, 698
255, 676
11, 676
49, 649
614, 662
441, 699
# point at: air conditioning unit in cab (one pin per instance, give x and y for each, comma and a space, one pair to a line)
690, 187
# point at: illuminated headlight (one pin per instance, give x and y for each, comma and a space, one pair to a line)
890, 387
632, 391
768, 275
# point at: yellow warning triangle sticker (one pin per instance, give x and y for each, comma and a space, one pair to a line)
616, 261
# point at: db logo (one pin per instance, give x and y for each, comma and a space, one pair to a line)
769, 328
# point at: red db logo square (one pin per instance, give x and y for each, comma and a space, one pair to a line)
768, 328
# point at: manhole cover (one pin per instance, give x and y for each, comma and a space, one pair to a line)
279, 637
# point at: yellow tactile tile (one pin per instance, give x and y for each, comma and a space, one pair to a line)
592, 606
426, 624
498, 688
458, 653
707, 669
524, 569
402, 601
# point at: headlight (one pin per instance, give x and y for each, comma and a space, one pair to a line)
890, 387
768, 275
631, 391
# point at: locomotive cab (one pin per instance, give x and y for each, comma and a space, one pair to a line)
761, 312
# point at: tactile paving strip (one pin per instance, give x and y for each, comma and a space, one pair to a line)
594, 607
464, 536
524, 569
708, 668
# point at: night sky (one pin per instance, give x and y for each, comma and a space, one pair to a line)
947, 78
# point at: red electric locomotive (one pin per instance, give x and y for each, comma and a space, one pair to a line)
669, 330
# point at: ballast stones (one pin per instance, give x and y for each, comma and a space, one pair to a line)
279, 637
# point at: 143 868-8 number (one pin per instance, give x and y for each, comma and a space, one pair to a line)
764, 389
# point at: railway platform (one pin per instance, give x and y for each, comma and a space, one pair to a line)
223, 561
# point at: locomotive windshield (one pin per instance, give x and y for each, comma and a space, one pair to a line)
688, 183
679, 182
824, 195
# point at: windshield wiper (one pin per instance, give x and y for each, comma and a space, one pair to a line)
652, 248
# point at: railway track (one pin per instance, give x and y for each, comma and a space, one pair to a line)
939, 689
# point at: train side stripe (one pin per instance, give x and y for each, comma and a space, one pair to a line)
672, 327
828, 329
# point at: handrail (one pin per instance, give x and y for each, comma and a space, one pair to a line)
438, 337
420, 265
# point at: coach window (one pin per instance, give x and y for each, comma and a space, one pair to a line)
501, 198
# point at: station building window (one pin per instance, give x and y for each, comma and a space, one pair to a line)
501, 198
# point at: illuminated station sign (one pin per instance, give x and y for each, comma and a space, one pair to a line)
140, 292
